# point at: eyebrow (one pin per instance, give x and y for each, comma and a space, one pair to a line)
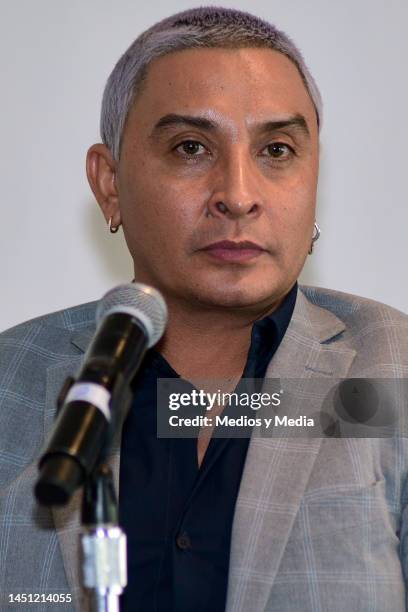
171, 120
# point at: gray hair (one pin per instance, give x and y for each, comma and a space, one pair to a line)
203, 27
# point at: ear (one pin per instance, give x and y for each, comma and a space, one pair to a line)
101, 172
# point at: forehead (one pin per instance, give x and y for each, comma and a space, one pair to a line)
235, 83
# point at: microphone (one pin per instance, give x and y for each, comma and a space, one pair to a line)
131, 318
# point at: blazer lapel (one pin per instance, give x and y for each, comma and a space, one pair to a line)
67, 518
277, 469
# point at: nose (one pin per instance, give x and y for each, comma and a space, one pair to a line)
237, 189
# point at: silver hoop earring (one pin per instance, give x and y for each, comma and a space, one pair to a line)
315, 237
112, 229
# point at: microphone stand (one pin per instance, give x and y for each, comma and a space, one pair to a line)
103, 542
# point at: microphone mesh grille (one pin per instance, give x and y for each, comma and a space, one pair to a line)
143, 302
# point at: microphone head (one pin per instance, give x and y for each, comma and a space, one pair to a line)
139, 300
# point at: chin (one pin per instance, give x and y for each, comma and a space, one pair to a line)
254, 297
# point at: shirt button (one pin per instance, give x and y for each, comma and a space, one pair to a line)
183, 541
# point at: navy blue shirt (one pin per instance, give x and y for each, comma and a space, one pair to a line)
177, 515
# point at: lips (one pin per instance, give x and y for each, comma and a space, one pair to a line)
235, 252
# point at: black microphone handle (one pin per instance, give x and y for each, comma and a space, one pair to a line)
85, 426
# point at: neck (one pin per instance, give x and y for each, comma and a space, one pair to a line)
208, 343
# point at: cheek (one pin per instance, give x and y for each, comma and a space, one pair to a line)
296, 209
291, 222
159, 218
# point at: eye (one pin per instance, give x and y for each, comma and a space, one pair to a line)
279, 150
190, 148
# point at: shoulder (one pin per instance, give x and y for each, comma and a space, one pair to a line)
378, 332
35, 358
354, 309
345, 304
70, 319
27, 350
50, 332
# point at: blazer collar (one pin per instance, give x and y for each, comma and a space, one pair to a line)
81, 339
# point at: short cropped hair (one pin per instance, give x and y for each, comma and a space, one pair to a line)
203, 27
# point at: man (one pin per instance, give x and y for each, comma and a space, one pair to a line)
209, 162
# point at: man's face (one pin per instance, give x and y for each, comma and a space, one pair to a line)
220, 148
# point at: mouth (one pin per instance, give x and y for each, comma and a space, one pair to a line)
235, 252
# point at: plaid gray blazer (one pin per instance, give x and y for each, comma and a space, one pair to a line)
320, 524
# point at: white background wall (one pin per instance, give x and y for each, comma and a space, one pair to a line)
55, 57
